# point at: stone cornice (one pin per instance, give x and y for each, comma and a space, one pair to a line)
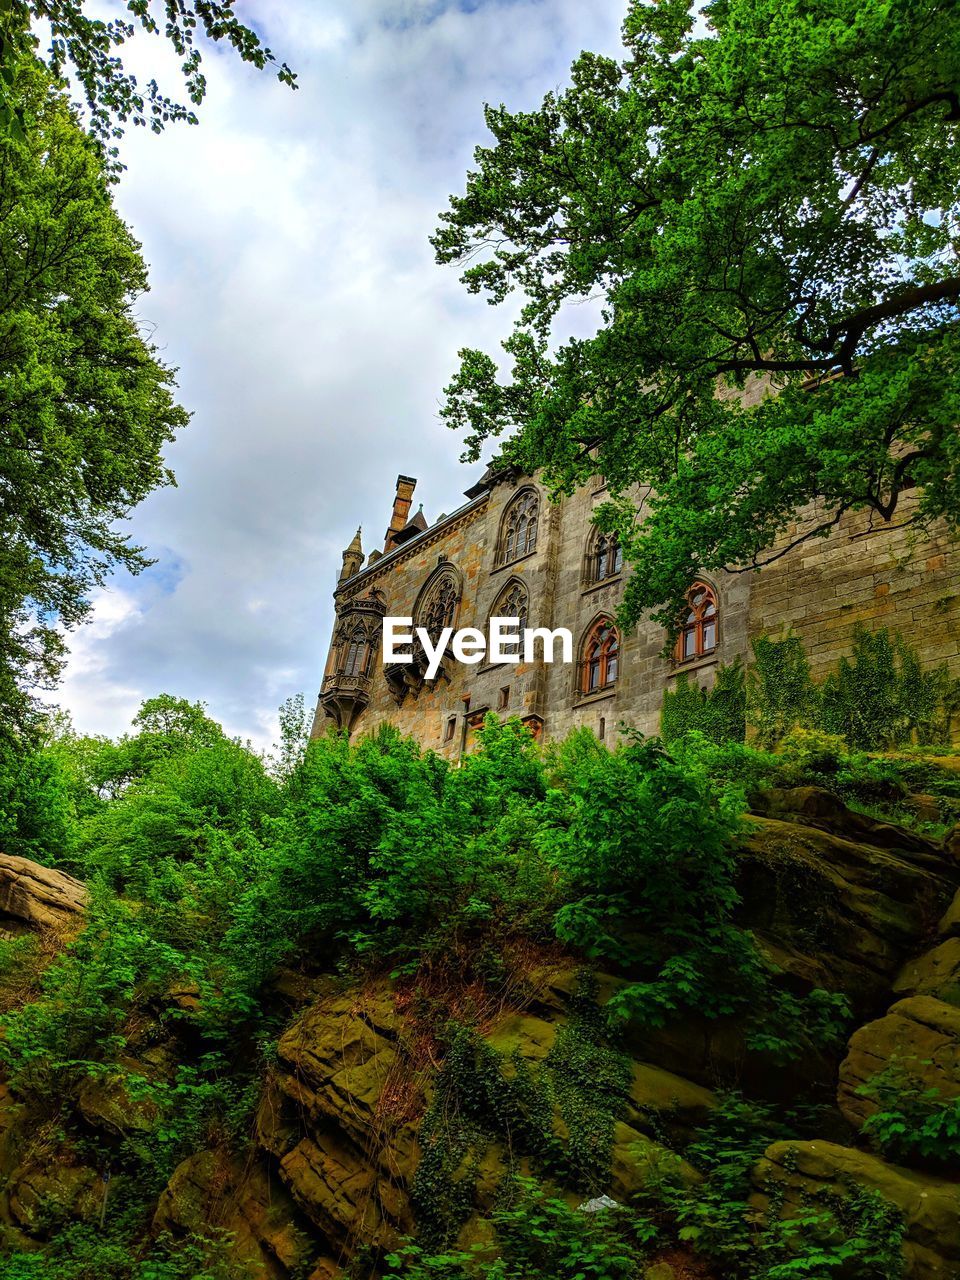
369, 576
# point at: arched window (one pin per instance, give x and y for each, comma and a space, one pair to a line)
605, 557
357, 653
518, 530
513, 602
439, 606
698, 633
600, 659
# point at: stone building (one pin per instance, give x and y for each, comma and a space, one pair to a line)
510, 552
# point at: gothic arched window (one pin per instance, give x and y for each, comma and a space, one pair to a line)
439, 606
513, 602
600, 657
698, 632
357, 653
518, 529
604, 557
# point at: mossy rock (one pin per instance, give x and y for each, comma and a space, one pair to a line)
805, 1173
935, 973
919, 1037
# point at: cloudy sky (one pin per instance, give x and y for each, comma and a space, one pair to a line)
294, 288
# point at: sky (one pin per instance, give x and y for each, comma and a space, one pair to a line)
293, 286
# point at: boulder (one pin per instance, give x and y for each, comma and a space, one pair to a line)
334, 1116
118, 1102
797, 1174
817, 807
638, 1163
46, 1191
660, 1101
935, 973
36, 897
211, 1190
919, 1038
835, 912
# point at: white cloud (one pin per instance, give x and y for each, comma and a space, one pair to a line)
294, 287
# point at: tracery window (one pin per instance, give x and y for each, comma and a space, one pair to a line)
600, 658
357, 653
439, 606
698, 634
518, 531
513, 603
606, 557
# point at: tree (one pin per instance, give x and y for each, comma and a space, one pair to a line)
88, 45
767, 205
85, 405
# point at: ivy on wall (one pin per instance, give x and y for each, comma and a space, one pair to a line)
878, 698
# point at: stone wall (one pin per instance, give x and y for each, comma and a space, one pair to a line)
881, 575
443, 716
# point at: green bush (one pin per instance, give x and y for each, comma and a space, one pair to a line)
645, 845
539, 1235
912, 1121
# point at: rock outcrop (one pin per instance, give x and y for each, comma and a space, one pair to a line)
36, 897
918, 1040
210, 1191
835, 900
806, 1174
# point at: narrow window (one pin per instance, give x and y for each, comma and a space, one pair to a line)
600, 660
451, 728
518, 532
357, 654
698, 634
503, 698
607, 558
602, 730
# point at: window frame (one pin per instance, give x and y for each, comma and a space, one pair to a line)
509, 549
699, 617
600, 649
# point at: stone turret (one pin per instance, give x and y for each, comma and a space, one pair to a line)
352, 558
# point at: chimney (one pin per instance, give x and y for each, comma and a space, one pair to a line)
401, 509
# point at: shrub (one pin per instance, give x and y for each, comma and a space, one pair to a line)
912, 1120
538, 1235
645, 847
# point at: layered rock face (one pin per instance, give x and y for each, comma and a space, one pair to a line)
341, 1140
35, 897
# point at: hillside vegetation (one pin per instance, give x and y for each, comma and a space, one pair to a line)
687, 1010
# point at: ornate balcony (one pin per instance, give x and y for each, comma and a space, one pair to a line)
343, 697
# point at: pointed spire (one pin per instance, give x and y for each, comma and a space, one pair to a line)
352, 558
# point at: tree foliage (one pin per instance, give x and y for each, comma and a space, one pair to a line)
85, 42
768, 205
85, 404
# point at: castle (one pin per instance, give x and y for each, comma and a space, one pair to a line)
509, 551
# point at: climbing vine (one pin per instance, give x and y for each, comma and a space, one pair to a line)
559, 1116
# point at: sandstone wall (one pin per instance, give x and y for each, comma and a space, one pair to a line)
881, 575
